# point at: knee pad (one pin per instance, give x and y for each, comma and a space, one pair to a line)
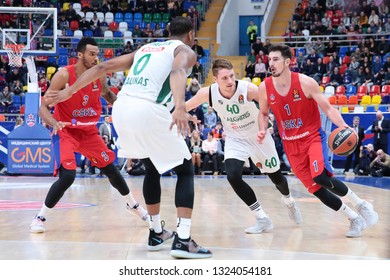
332, 184
280, 182
116, 179
151, 185
184, 195
329, 199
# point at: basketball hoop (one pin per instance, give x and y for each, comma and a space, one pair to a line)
15, 54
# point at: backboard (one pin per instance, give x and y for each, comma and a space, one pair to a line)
34, 27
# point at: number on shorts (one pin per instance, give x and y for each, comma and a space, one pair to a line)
271, 163
315, 165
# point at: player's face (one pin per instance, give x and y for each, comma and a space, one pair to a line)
90, 56
226, 81
277, 63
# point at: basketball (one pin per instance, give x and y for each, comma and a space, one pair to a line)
343, 141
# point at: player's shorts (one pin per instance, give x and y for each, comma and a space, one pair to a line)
143, 132
263, 155
87, 142
308, 158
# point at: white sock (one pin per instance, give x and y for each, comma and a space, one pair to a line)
353, 198
348, 212
44, 211
288, 199
183, 228
155, 223
259, 212
129, 198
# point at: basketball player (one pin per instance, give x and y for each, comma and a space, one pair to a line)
74, 130
233, 101
144, 125
294, 99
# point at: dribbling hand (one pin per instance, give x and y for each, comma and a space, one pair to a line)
59, 126
180, 118
260, 136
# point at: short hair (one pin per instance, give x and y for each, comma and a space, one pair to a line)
82, 44
356, 118
282, 48
221, 64
180, 26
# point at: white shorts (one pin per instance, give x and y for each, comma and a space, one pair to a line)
264, 155
143, 132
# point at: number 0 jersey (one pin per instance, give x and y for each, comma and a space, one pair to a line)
238, 115
148, 77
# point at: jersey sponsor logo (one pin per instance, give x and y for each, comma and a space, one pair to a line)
31, 121
84, 112
153, 49
296, 95
241, 99
243, 126
296, 137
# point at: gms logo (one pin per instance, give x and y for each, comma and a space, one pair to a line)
31, 121
296, 95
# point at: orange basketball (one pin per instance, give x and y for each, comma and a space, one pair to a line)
343, 141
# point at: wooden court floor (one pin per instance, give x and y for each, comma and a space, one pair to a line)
90, 222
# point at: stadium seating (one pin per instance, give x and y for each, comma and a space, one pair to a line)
366, 100
342, 100
332, 100
118, 17
329, 90
370, 109
361, 91
325, 80
88, 16
376, 99
123, 27
108, 17
385, 90
375, 90
340, 90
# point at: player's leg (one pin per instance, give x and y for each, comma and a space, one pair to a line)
321, 173
64, 148
267, 158
234, 169
102, 157
183, 246
152, 194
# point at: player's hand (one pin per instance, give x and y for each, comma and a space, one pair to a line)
260, 136
59, 126
180, 118
53, 97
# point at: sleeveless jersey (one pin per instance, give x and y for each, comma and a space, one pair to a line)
297, 116
238, 115
84, 108
148, 77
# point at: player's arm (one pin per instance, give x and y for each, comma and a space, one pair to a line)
253, 92
58, 82
120, 63
184, 59
263, 113
312, 90
107, 94
202, 96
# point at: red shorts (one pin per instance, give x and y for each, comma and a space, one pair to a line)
307, 159
87, 142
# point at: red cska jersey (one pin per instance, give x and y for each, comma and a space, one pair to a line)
84, 108
297, 116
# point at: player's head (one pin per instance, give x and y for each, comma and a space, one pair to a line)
279, 59
87, 52
182, 28
223, 74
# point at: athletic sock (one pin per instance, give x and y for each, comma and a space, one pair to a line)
259, 212
353, 198
348, 212
183, 228
155, 223
44, 211
129, 198
288, 199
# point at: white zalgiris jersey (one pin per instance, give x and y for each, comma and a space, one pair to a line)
148, 77
238, 115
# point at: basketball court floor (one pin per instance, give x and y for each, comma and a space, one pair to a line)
90, 222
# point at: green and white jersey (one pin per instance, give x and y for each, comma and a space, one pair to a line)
148, 77
238, 115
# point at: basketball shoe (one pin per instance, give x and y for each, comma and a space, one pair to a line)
262, 225
138, 210
156, 240
357, 225
294, 213
366, 210
188, 249
37, 225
